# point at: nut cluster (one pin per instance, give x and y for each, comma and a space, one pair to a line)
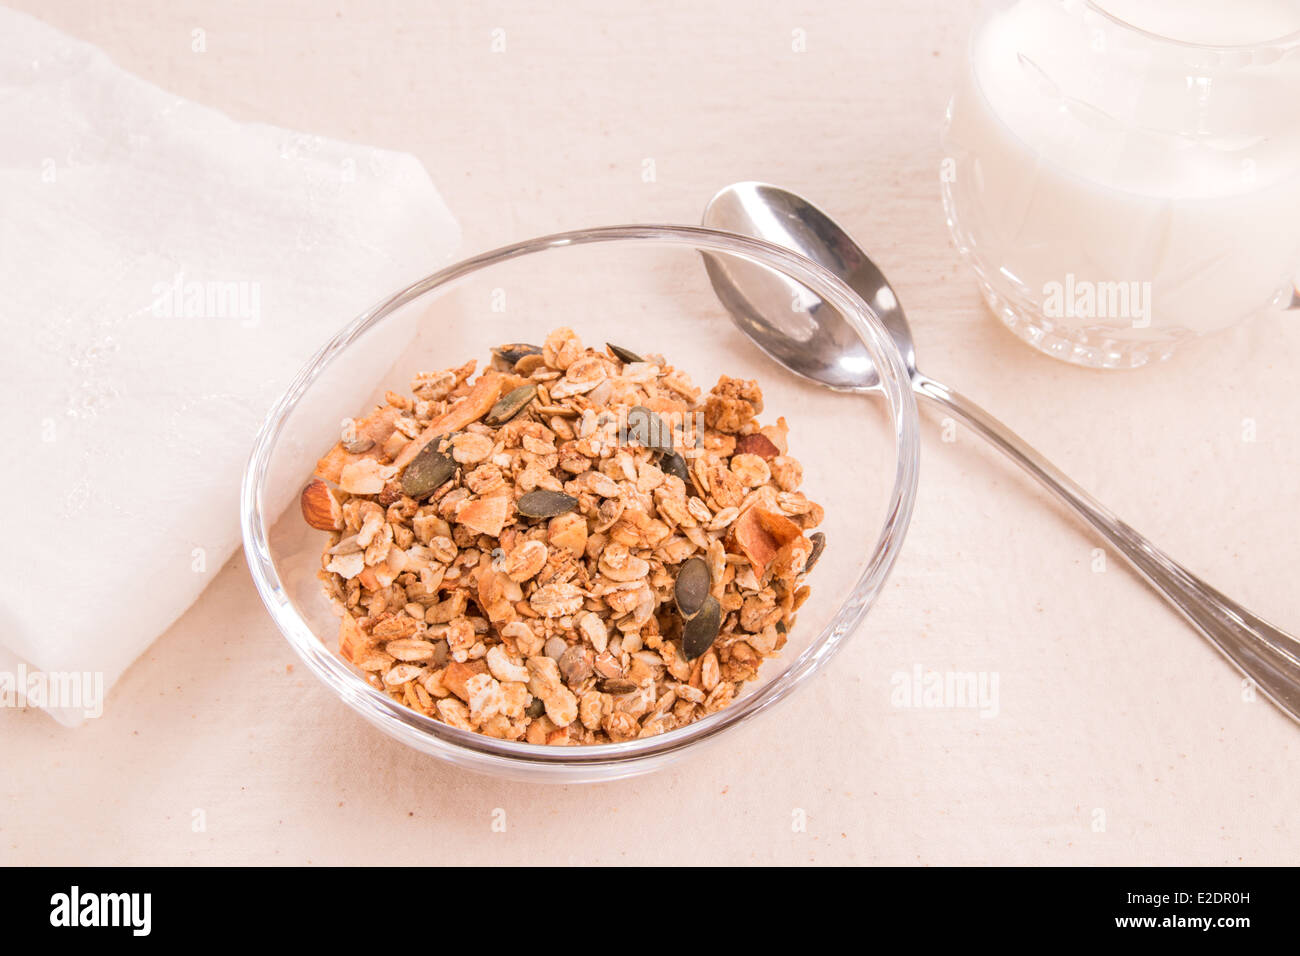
574, 547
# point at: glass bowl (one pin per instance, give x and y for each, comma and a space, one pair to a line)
645, 288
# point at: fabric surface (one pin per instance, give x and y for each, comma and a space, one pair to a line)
165, 271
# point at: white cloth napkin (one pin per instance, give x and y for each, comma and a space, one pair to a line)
164, 271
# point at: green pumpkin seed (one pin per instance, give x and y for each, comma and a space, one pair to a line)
674, 464
510, 405
427, 472
702, 630
626, 356
818, 546
692, 587
545, 504
646, 428
514, 351
536, 707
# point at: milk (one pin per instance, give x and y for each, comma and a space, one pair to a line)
1089, 156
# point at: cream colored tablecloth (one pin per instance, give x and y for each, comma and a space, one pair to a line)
1120, 736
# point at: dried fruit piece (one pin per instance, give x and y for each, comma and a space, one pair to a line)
757, 444
761, 534
427, 472
484, 515
693, 586
320, 507
542, 503
510, 405
701, 631
568, 531
353, 642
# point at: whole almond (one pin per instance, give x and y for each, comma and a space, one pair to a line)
320, 508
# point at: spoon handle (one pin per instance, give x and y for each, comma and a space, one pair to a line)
1266, 654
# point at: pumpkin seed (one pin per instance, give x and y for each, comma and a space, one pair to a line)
427, 472
692, 587
674, 464
545, 504
818, 546
511, 404
536, 707
626, 356
648, 429
514, 351
702, 630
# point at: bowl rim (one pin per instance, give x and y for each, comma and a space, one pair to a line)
490, 754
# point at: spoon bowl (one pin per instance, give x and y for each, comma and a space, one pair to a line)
787, 321
812, 339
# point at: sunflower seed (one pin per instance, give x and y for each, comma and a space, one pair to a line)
514, 351
700, 631
617, 685
674, 464
560, 411
427, 472
545, 504
692, 587
818, 546
648, 429
358, 445
627, 356
529, 364
510, 405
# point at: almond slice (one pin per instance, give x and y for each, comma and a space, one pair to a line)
482, 396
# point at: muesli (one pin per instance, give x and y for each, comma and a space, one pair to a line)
575, 547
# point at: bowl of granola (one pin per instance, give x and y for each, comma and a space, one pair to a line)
548, 514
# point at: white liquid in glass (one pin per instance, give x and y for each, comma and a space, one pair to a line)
1088, 154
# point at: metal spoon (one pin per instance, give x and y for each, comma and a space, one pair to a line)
813, 340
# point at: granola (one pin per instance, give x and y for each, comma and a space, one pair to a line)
575, 547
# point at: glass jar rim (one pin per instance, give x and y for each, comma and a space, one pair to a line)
478, 751
1284, 41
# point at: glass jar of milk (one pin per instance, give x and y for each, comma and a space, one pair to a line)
1124, 175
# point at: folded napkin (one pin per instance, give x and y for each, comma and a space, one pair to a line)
164, 273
